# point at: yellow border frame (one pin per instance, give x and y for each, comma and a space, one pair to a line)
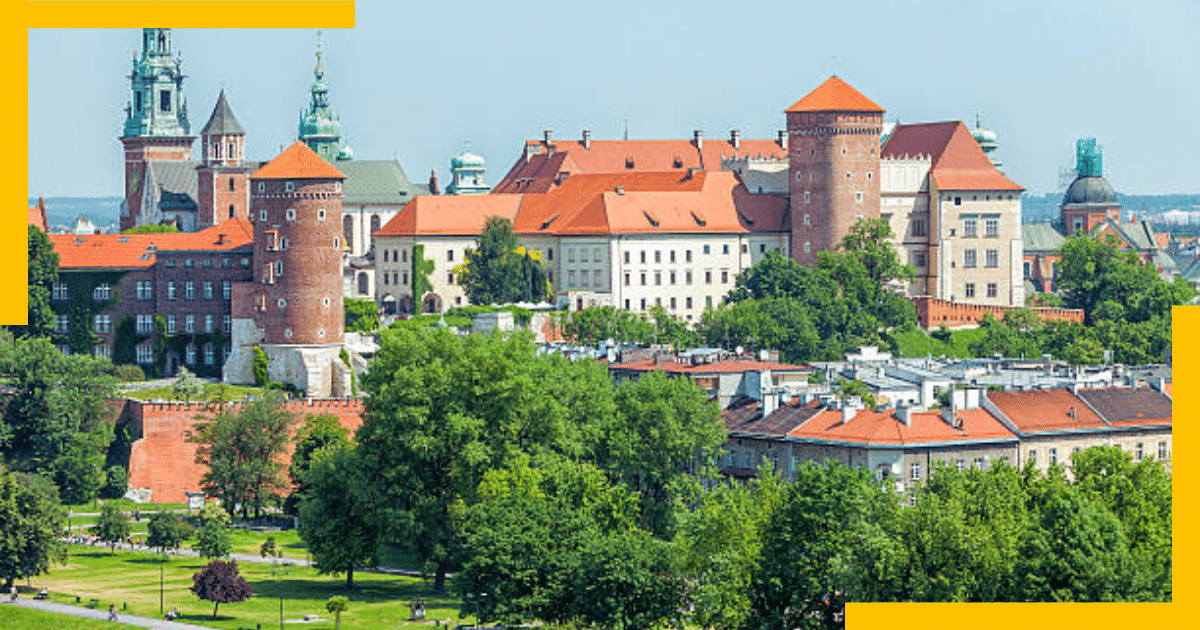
340, 14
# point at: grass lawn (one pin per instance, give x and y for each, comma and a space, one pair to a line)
918, 343
132, 579
15, 618
232, 392
288, 540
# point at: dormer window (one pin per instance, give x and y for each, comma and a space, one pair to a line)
289, 187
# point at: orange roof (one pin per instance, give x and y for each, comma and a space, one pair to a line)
884, 428
138, 251
1045, 410
957, 161
835, 95
298, 162
449, 215
1167, 388
622, 203
541, 171
716, 367
37, 216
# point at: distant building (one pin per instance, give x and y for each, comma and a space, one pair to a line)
466, 175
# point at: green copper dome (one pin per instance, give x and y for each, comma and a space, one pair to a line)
319, 127
467, 160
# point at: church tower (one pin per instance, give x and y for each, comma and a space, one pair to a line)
156, 123
222, 187
320, 128
833, 163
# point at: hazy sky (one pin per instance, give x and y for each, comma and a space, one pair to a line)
415, 80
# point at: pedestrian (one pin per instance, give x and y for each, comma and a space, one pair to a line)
112, 612
13, 591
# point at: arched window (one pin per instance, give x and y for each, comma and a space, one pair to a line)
363, 283
348, 230
374, 222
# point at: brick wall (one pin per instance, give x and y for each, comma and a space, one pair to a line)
162, 459
932, 313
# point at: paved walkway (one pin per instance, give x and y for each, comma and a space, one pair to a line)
99, 614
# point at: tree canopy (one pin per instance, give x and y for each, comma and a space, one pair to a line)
337, 518
499, 271
41, 274
31, 520
242, 448
220, 583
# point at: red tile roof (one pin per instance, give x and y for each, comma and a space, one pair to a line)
138, 251
541, 171
298, 162
835, 95
37, 216
884, 428
1045, 410
1129, 406
623, 203
1167, 388
958, 162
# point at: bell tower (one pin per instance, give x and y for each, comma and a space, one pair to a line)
320, 127
156, 123
222, 186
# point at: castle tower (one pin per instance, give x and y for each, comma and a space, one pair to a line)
833, 163
986, 138
156, 124
293, 310
466, 173
222, 187
320, 128
1089, 199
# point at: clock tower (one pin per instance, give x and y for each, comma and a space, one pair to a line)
156, 124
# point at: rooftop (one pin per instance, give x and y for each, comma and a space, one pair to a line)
298, 162
958, 163
139, 251
835, 95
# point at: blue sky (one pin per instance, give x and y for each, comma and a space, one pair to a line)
416, 80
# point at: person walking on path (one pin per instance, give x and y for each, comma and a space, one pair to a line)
112, 612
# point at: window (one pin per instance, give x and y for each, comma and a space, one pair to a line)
283, 304
687, 255
961, 465
102, 324
626, 279
207, 263
189, 324
145, 290
59, 292
226, 290
1053, 457
279, 267
227, 324
627, 304
1078, 224
190, 355
915, 472
208, 323
991, 289
672, 257
958, 201
208, 290
1027, 269
807, 247
596, 277
145, 354
687, 277
550, 254
209, 354
991, 227
164, 100
262, 214
687, 302
708, 301
100, 350
1138, 453
919, 228
262, 186
970, 257
762, 248
188, 263
657, 278
583, 257
643, 256
725, 248
626, 258
291, 213
231, 180
102, 292
707, 249
289, 187
449, 278
980, 462
671, 277
970, 290
145, 324
919, 260
189, 291
858, 197
724, 277
992, 258
62, 324
643, 304
583, 278
672, 304
657, 256
1162, 450
170, 324
643, 278
708, 277
807, 197
970, 227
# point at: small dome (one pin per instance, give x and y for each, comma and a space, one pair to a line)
346, 153
1094, 190
982, 135
468, 160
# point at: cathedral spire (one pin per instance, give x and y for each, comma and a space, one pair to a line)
157, 106
320, 128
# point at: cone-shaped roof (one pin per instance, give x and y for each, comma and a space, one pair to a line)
222, 121
835, 95
298, 162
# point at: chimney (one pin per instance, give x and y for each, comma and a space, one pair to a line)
587, 138
1074, 415
735, 138
950, 414
433, 187
691, 172
850, 408
619, 189
549, 135
698, 139
782, 139
220, 239
904, 413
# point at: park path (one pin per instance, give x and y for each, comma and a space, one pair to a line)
100, 614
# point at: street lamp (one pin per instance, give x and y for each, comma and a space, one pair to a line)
276, 571
162, 559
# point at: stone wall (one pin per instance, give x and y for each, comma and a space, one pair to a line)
933, 313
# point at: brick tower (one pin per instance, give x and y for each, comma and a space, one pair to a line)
156, 124
293, 310
222, 186
833, 161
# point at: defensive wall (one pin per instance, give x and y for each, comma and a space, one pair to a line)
933, 313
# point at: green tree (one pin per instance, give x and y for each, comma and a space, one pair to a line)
337, 605
269, 549
670, 329
361, 316
167, 531
186, 385
153, 228
112, 526
624, 581
774, 323
220, 583
212, 534
667, 432
1107, 283
317, 432
242, 449
56, 421
42, 273
31, 520
868, 270
499, 271
337, 514
1019, 334
116, 483
594, 324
